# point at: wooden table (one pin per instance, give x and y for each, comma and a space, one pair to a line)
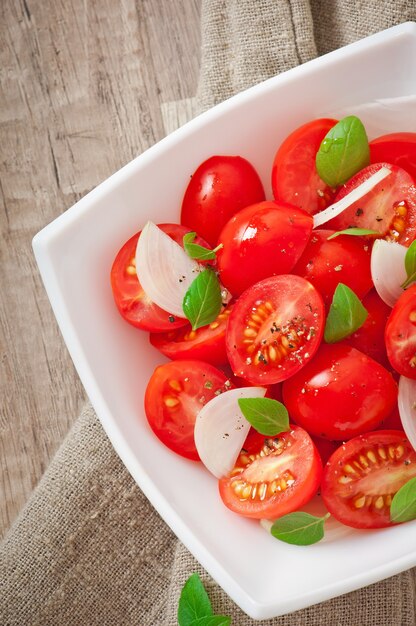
86, 85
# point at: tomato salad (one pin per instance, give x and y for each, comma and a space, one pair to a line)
289, 323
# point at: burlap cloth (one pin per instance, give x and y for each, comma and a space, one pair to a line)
88, 549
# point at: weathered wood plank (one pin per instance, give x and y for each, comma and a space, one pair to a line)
81, 89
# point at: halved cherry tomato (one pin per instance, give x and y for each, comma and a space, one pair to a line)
369, 338
204, 344
260, 241
390, 208
221, 186
362, 476
400, 334
175, 394
294, 176
341, 393
344, 259
284, 475
274, 329
132, 302
396, 148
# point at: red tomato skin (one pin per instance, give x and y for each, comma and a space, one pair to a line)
205, 344
370, 337
280, 292
344, 259
131, 301
392, 421
262, 240
396, 148
340, 394
400, 334
294, 176
221, 186
175, 426
305, 465
325, 447
386, 475
378, 209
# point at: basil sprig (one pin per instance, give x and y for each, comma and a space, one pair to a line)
403, 505
359, 232
299, 528
195, 608
410, 265
195, 251
202, 301
343, 152
345, 316
269, 417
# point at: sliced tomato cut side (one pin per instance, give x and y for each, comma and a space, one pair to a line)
362, 476
279, 477
274, 329
131, 300
175, 394
389, 209
206, 343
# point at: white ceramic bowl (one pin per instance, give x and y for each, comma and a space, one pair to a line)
263, 576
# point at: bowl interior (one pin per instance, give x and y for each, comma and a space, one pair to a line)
115, 361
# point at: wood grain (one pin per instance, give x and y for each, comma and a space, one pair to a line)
85, 86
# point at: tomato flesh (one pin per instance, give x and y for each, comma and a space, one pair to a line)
390, 208
400, 334
341, 393
204, 344
274, 329
362, 476
262, 240
294, 176
325, 263
396, 148
221, 186
282, 476
175, 394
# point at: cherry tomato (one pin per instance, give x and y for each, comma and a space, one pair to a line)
396, 148
274, 329
294, 176
325, 447
344, 259
284, 475
175, 394
260, 241
341, 393
400, 334
362, 476
390, 208
205, 344
131, 301
369, 338
392, 421
221, 186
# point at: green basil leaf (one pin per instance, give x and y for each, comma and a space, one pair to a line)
195, 251
269, 417
193, 602
343, 152
299, 529
403, 505
359, 232
213, 620
410, 265
202, 302
345, 316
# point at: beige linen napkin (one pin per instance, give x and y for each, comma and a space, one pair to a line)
88, 549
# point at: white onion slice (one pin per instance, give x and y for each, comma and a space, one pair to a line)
164, 269
221, 429
338, 207
407, 407
388, 270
